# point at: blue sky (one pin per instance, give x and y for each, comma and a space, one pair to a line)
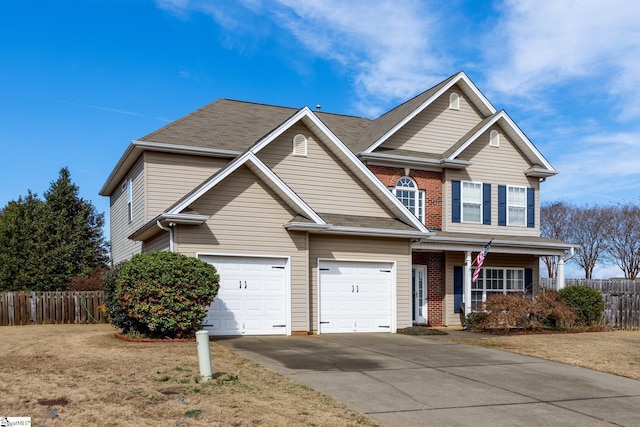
80, 79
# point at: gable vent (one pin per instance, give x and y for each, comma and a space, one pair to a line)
299, 145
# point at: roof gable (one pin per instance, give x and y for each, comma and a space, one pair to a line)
389, 123
519, 139
331, 141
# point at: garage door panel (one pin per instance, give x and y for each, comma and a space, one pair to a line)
355, 296
251, 298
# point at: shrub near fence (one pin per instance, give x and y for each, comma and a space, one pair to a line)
26, 308
621, 299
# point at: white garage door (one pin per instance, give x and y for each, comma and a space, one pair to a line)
355, 296
252, 296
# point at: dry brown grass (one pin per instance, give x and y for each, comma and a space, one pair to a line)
107, 381
613, 352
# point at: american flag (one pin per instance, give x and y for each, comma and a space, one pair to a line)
480, 260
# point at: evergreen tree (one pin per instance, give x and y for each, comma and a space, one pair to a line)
74, 242
44, 244
21, 244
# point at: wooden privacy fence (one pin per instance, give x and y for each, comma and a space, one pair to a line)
26, 308
621, 299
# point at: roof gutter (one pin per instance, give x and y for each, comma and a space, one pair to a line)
416, 161
170, 230
370, 232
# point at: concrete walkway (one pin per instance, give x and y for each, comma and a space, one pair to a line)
430, 381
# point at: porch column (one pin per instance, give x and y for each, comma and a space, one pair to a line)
467, 283
560, 274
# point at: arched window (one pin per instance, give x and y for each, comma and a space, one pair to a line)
454, 101
407, 192
494, 138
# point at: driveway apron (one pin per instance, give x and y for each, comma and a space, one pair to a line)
430, 381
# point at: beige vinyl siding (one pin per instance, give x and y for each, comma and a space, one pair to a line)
247, 218
503, 165
320, 178
436, 128
158, 243
170, 176
122, 248
346, 248
495, 260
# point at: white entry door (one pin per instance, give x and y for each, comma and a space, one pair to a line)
355, 296
252, 296
419, 290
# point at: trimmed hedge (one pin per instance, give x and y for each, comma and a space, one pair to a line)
161, 294
586, 302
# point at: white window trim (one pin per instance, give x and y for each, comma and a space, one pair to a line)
419, 197
494, 138
505, 291
462, 202
454, 101
524, 223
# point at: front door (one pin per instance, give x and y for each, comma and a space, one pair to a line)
419, 291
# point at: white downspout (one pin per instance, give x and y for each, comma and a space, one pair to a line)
561, 262
170, 230
467, 283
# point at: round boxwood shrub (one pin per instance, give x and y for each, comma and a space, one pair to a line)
586, 302
165, 294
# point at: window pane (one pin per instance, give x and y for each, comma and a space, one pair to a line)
517, 196
470, 212
516, 216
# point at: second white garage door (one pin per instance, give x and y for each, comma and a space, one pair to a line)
355, 296
252, 296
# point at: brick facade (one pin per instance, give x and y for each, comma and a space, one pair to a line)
435, 284
430, 182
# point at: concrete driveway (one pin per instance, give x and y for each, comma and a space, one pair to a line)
430, 381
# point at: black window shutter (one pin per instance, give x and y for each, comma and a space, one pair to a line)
531, 207
455, 201
457, 289
486, 204
528, 280
502, 205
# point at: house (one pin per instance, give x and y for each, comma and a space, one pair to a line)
322, 223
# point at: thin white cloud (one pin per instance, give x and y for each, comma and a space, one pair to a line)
392, 52
539, 44
597, 169
117, 111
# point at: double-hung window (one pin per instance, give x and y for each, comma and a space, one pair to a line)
516, 206
493, 281
407, 192
471, 202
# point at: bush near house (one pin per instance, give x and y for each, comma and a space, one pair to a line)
586, 302
502, 313
160, 294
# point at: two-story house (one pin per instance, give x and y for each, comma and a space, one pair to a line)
321, 223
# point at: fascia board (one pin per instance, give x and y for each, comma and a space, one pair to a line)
183, 149
125, 162
370, 180
460, 77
